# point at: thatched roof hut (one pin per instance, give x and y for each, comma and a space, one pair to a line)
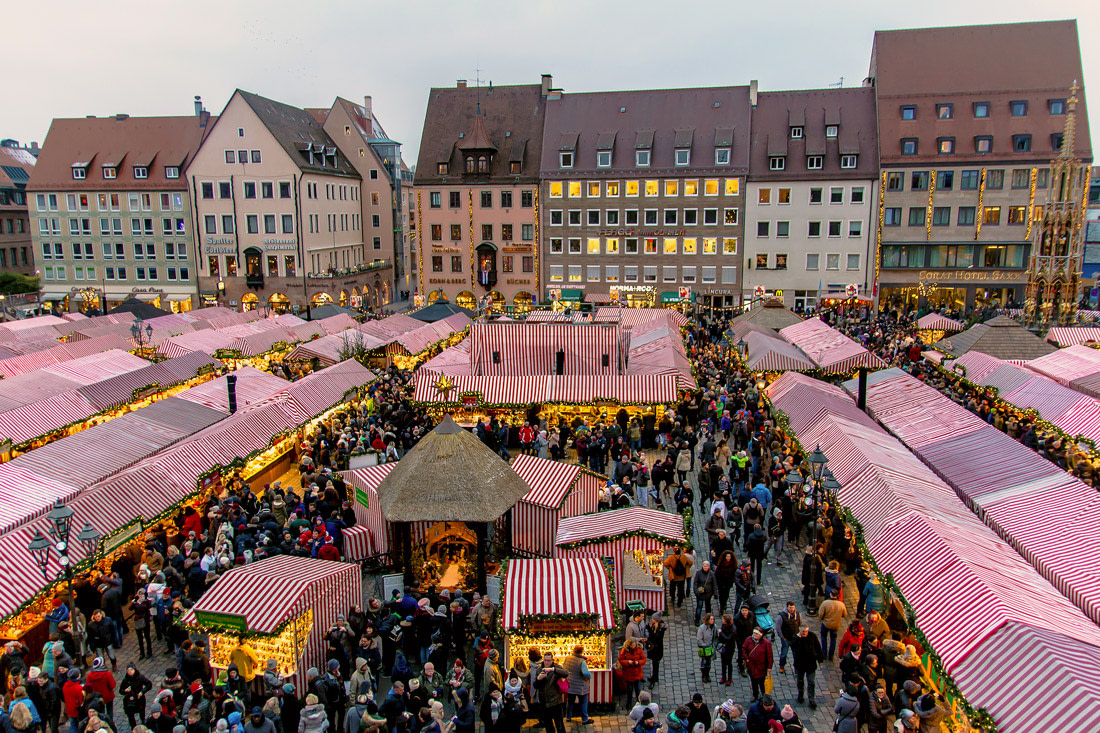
1001, 337
450, 476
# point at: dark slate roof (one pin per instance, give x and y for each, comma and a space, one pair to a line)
512, 118
296, 128
1000, 337
772, 315
852, 110
658, 118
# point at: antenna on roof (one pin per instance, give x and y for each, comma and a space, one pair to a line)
838, 84
477, 80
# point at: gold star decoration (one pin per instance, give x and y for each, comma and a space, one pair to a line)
443, 385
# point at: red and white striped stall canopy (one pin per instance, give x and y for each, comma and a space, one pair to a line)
634, 389
594, 297
666, 526
568, 389
565, 587
1073, 335
454, 361
938, 322
545, 316
1075, 366
769, 353
270, 592
550, 481
61, 353
368, 477
966, 585
832, 351
998, 478
252, 386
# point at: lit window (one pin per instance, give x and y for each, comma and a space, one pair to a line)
983, 144
691, 187
631, 188
945, 145
441, 169
574, 189
671, 245
710, 187
594, 246
671, 188
652, 188
733, 186
945, 111
555, 190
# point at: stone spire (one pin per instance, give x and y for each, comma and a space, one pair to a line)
1069, 133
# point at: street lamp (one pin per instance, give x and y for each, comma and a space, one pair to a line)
61, 520
742, 348
142, 337
818, 462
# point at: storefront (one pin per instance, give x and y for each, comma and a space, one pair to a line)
553, 606
280, 608
634, 296
722, 298
636, 540
567, 297
951, 289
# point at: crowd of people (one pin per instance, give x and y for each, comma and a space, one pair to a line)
432, 661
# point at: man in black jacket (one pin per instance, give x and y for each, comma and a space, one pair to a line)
806, 649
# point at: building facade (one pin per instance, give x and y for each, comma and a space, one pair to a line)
377, 158
111, 213
279, 212
643, 195
969, 119
811, 195
477, 195
16, 248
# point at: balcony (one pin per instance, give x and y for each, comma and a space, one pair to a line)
254, 280
333, 273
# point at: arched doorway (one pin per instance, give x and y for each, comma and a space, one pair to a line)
378, 293
249, 301
343, 298
278, 303
320, 299
435, 295
487, 265
523, 301
497, 301
466, 299
356, 301
448, 546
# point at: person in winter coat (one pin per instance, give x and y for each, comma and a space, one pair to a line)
632, 661
133, 687
291, 712
258, 722
362, 681
655, 647
103, 683
727, 649
725, 571
545, 679
757, 651
704, 588
580, 681
313, 718
706, 638
756, 544
846, 710
760, 713
273, 681
31, 719
50, 706
744, 582
852, 637
930, 713
881, 709
465, 715
73, 694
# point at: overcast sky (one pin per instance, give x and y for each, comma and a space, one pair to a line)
71, 58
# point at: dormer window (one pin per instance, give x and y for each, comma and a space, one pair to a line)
849, 161
171, 171
796, 132
721, 156
832, 130
777, 163
141, 171
482, 164
641, 158
80, 171
470, 164
813, 162
441, 169
109, 172
603, 159
514, 168
683, 156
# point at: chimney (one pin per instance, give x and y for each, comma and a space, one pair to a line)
34, 146
861, 401
231, 383
204, 117
461, 84
547, 83
367, 107
752, 93
121, 116
198, 105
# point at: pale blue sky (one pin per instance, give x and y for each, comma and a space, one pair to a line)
70, 58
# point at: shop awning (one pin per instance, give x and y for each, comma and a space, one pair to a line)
619, 523
554, 588
669, 296
571, 294
178, 297
145, 297
54, 296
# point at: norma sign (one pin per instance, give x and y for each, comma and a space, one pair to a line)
222, 620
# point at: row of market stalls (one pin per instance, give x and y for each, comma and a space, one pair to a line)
1073, 335
932, 327
255, 343
1072, 412
627, 317
1001, 480
1076, 367
829, 349
992, 622
257, 443
61, 352
764, 350
398, 340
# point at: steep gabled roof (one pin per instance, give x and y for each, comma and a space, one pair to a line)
299, 132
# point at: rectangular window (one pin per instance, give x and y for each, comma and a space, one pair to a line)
691, 217
909, 112
565, 159
556, 189
995, 179
225, 190
1017, 214
941, 216
917, 216
486, 199
1018, 108
506, 199
849, 161
764, 196
782, 229
919, 181
556, 273
288, 224
832, 261
892, 216
991, 215
721, 156
487, 231
671, 245
650, 245
556, 246
812, 260
575, 217
611, 247
729, 274
506, 232
630, 274
671, 216
437, 263
855, 228
1021, 177
688, 274
691, 187
269, 223
612, 217
909, 146
631, 246
710, 217
981, 109
945, 145
852, 262
1056, 106
945, 180
813, 229
507, 263
593, 273
603, 159
574, 245
691, 245
632, 188
710, 274
815, 195
1021, 143
574, 273
710, 245
945, 111
249, 189
454, 199
649, 274
456, 232
813, 162
435, 199
763, 228
437, 232
983, 144
968, 180
683, 157
777, 163
593, 217
456, 263
834, 228
836, 195
593, 245
669, 273
761, 260
211, 224
895, 181
966, 215
733, 186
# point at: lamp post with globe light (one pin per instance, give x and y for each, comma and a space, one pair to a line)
61, 518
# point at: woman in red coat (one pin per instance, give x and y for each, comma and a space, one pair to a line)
758, 660
852, 637
73, 692
632, 660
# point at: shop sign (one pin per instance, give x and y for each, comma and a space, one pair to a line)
446, 249
969, 275
518, 281
219, 240
146, 290
112, 542
362, 498
636, 289
447, 280
221, 250
559, 626
470, 400
272, 243
642, 232
515, 249
222, 620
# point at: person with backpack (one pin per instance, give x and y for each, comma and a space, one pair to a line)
744, 582
678, 566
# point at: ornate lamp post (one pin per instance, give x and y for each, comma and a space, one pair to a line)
142, 334
61, 518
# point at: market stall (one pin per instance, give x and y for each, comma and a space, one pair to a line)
558, 490
554, 605
832, 351
934, 326
636, 539
1074, 335
279, 608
